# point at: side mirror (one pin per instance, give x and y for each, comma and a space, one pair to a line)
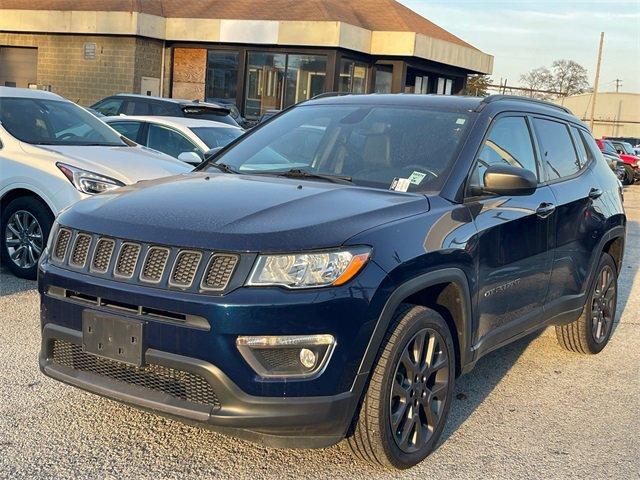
508, 180
190, 157
209, 154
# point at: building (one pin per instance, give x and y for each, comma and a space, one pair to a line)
616, 114
259, 54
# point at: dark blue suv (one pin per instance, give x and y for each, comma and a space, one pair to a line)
332, 272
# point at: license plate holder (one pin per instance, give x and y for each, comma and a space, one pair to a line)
113, 337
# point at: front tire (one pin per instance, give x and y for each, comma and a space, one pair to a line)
407, 401
24, 228
590, 333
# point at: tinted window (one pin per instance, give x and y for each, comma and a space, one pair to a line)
556, 149
372, 144
508, 143
590, 144
168, 141
158, 108
54, 122
216, 136
584, 152
108, 107
128, 129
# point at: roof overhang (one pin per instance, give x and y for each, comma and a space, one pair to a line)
266, 32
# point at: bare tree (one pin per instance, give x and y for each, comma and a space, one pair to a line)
539, 78
569, 77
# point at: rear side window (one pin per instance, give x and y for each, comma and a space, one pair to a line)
136, 107
556, 149
508, 143
168, 141
584, 152
158, 108
593, 151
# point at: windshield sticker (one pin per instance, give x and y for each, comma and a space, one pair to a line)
417, 177
400, 184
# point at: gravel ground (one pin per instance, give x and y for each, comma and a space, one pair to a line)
529, 410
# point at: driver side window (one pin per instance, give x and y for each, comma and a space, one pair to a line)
508, 143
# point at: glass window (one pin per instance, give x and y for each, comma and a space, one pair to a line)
222, 75
160, 109
216, 136
371, 144
508, 143
109, 107
306, 75
584, 152
54, 122
265, 82
128, 129
384, 78
352, 76
136, 107
590, 144
556, 149
169, 141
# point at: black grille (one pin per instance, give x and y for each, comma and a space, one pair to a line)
154, 264
278, 358
127, 259
80, 250
61, 244
102, 255
184, 270
219, 272
177, 383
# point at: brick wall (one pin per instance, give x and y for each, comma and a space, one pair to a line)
120, 63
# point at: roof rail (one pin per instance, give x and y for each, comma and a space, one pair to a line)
496, 98
332, 94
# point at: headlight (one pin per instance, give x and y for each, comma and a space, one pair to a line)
307, 270
88, 182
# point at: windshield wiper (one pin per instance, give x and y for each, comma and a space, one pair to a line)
223, 167
297, 173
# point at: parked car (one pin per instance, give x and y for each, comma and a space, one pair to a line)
52, 154
618, 167
233, 111
339, 294
631, 162
187, 139
131, 104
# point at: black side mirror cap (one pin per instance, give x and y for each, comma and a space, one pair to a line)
509, 180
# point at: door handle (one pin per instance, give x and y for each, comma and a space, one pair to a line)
545, 209
595, 193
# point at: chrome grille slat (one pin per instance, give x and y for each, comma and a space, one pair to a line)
159, 266
127, 260
219, 271
185, 268
154, 264
80, 250
102, 255
62, 243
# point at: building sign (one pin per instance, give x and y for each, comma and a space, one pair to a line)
90, 51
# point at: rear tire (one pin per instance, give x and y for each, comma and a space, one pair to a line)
629, 175
590, 333
405, 407
20, 248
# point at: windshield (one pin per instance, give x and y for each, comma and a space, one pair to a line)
372, 145
217, 136
626, 148
54, 122
609, 148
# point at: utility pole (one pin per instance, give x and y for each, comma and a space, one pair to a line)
597, 80
618, 84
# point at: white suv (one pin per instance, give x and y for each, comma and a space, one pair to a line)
52, 154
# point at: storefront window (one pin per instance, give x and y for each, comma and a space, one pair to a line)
445, 85
353, 76
306, 75
222, 75
265, 83
384, 77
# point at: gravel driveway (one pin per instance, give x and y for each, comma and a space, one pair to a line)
529, 410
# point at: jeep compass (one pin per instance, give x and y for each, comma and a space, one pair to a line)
331, 273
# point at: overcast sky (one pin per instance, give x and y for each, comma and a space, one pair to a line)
524, 34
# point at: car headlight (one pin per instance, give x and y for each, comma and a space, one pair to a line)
88, 182
309, 270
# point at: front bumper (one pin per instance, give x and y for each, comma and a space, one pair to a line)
299, 422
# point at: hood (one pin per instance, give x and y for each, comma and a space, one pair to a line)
241, 212
127, 164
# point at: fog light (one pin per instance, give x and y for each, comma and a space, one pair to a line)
301, 356
307, 358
